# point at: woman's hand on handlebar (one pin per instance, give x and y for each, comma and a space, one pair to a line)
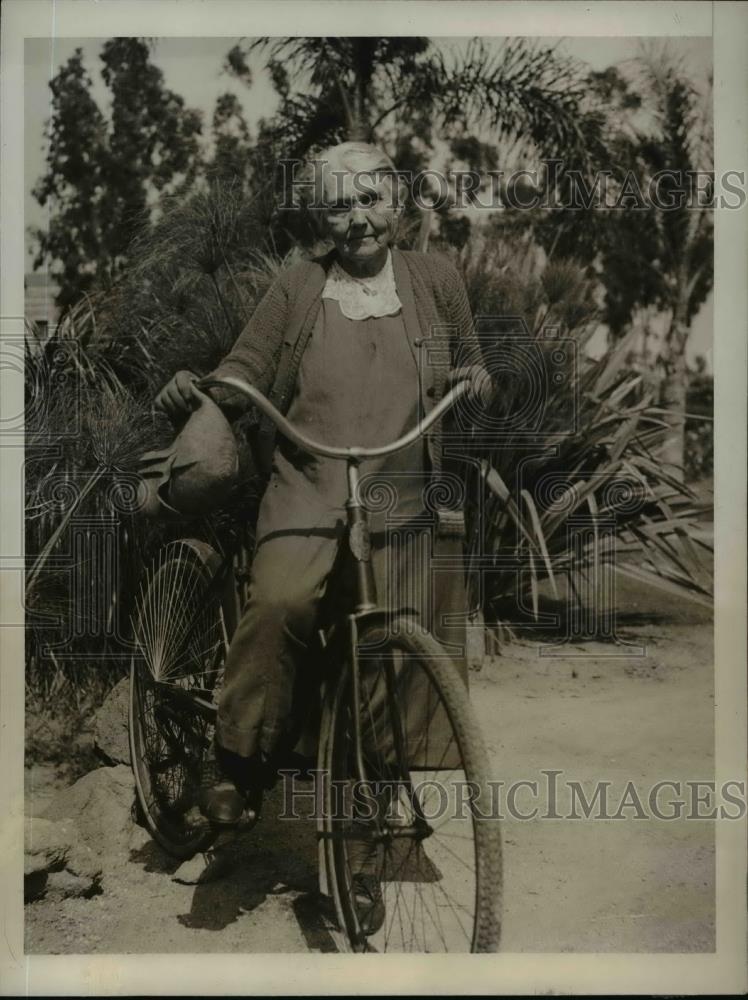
179, 397
481, 388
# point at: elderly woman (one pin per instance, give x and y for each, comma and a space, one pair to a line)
340, 345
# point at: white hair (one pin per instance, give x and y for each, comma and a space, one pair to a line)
353, 157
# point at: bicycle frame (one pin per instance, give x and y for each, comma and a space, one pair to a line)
358, 535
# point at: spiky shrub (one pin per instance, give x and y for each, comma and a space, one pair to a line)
193, 283
567, 476
84, 430
197, 276
89, 417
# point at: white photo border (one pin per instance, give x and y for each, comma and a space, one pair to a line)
519, 974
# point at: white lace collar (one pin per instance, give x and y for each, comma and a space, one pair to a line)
361, 298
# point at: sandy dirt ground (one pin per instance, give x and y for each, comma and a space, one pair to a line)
627, 885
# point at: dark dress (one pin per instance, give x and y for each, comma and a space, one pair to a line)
357, 385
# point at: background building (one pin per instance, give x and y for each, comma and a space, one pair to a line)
40, 292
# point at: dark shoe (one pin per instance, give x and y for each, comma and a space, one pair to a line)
222, 804
224, 801
369, 903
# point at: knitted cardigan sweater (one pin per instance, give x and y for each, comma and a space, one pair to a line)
268, 352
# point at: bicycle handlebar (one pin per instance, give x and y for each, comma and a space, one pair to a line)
306, 444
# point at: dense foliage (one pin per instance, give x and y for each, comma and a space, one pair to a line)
163, 243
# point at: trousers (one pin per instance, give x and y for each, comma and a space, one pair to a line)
290, 576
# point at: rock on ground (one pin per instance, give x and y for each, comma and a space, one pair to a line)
111, 740
100, 803
41, 782
47, 845
75, 834
57, 865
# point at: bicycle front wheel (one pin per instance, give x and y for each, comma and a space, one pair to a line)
419, 828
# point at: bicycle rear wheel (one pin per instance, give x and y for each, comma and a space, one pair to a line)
181, 643
433, 848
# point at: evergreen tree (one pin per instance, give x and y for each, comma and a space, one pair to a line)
104, 176
233, 149
73, 184
657, 255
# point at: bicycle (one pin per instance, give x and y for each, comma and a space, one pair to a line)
387, 754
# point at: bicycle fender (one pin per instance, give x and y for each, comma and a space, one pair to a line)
207, 555
379, 616
218, 576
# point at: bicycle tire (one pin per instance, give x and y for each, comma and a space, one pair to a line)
181, 643
407, 637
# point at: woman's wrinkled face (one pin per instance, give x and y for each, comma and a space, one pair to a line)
361, 214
